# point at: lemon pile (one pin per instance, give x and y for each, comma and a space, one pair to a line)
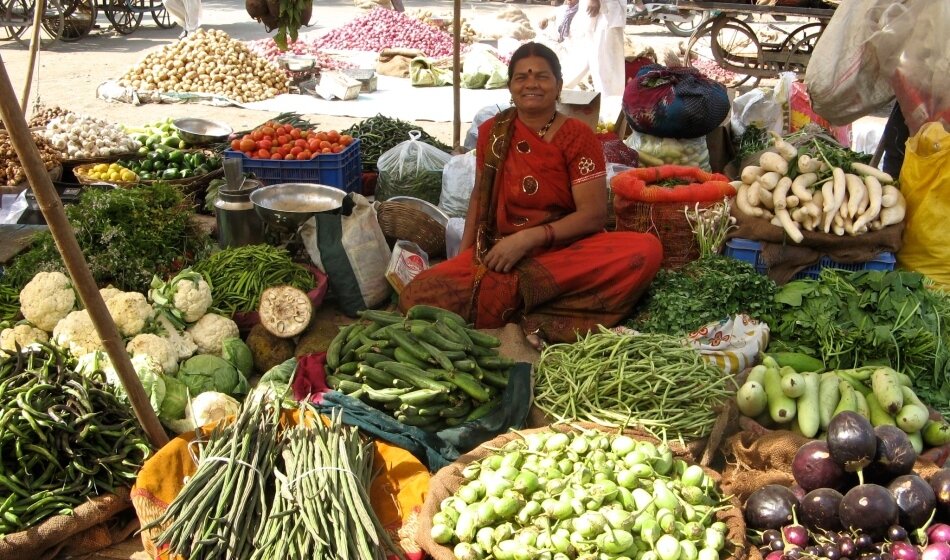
603, 127
111, 172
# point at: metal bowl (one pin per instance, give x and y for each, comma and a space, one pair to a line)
289, 205
297, 63
201, 131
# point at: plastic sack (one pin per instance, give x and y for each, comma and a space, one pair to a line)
351, 249
674, 102
925, 184
411, 168
186, 13
458, 182
483, 114
483, 69
453, 236
424, 73
12, 213
801, 114
845, 77
756, 108
687, 151
732, 344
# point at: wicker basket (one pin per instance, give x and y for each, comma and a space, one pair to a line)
667, 221
55, 174
75, 162
82, 175
404, 218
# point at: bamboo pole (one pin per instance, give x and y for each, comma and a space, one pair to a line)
38, 10
456, 74
52, 209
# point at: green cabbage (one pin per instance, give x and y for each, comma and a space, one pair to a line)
205, 372
239, 355
176, 398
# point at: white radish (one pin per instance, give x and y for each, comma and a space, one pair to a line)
838, 225
827, 196
742, 203
784, 149
868, 171
814, 206
863, 205
791, 229
792, 201
856, 192
807, 164
780, 193
875, 225
773, 162
753, 193
874, 203
799, 215
765, 198
837, 198
775, 221
848, 226
889, 196
751, 173
770, 180
800, 186
893, 215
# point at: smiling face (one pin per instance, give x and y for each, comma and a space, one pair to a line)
534, 86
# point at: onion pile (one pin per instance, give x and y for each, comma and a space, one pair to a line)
269, 50
11, 172
381, 29
715, 72
208, 61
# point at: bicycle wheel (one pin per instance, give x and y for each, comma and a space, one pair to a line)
79, 17
16, 14
161, 16
122, 16
735, 44
685, 28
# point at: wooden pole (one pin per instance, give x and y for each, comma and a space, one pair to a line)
38, 11
456, 74
83, 281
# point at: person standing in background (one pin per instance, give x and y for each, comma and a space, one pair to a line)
596, 37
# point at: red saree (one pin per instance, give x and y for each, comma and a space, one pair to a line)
559, 291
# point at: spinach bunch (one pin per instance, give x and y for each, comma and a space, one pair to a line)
708, 289
851, 319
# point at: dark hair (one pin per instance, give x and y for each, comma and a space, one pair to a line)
535, 49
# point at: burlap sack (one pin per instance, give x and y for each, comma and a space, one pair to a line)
448, 480
395, 62
93, 526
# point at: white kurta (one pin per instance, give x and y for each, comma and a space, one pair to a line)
596, 47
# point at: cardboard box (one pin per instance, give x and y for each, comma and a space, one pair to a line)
582, 105
337, 85
366, 77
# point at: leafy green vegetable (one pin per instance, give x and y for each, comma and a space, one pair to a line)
238, 354
851, 319
126, 235
205, 372
754, 139
176, 398
708, 289
9, 301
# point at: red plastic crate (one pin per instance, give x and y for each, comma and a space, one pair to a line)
343, 170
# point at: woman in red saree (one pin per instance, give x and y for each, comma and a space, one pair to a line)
534, 250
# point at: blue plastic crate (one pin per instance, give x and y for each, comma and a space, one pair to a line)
343, 170
751, 252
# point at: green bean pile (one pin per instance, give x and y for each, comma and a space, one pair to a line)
652, 381
379, 134
63, 438
9, 302
239, 275
324, 495
223, 505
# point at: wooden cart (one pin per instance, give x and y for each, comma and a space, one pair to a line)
750, 42
71, 20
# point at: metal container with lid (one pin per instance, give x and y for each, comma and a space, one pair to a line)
238, 223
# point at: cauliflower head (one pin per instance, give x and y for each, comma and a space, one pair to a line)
192, 298
156, 347
210, 331
47, 298
77, 334
130, 311
182, 342
22, 334
108, 292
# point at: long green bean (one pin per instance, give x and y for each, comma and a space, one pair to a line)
651, 381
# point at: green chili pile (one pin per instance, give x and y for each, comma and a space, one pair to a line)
9, 302
239, 275
652, 381
379, 134
63, 438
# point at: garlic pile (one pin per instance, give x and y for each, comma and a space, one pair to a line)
78, 137
208, 61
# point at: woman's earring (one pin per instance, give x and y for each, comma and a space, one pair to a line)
511, 101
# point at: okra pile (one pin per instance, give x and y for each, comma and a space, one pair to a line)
585, 494
426, 369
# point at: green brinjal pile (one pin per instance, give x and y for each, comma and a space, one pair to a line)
64, 438
427, 369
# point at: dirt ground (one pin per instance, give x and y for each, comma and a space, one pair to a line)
67, 74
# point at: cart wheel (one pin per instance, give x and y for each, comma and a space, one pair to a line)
53, 21
161, 16
79, 18
121, 15
726, 50
16, 14
686, 28
799, 45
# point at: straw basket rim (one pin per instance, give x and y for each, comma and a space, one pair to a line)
402, 220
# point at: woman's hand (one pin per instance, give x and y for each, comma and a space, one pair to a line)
506, 253
593, 8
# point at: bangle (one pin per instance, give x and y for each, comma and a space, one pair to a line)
548, 235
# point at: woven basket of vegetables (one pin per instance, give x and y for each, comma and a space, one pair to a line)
88, 174
503, 476
654, 200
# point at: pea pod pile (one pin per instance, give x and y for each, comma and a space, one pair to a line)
427, 369
63, 438
785, 391
582, 495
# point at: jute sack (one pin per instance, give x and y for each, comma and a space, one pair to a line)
94, 525
449, 479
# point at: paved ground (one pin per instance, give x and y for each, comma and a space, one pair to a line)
68, 73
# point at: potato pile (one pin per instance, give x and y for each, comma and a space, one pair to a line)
11, 172
208, 61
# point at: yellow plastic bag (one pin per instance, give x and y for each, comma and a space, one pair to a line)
925, 183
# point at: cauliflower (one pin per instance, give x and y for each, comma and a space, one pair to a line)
77, 334
156, 347
182, 342
46, 299
146, 368
109, 291
97, 360
22, 334
130, 311
210, 331
186, 297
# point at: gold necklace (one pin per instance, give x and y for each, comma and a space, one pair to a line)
545, 128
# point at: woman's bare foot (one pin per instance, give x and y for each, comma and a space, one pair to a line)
535, 340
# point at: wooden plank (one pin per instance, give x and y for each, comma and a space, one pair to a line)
15, 238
